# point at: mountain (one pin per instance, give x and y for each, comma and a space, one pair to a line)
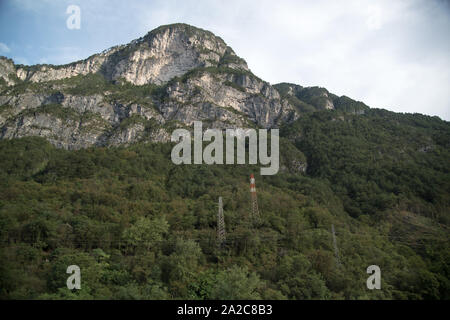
173, 75
86, 179
140, 91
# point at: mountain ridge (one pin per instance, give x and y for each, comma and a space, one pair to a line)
174, 74
161, 41
168, 78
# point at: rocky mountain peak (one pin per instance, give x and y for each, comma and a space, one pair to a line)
170, 51
189, 35
162, 54
171, 77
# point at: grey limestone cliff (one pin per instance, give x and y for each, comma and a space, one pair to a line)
172, 76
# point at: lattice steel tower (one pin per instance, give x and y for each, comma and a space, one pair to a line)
220, 225
336, 253
255, 211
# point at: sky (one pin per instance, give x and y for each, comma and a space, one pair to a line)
389, 54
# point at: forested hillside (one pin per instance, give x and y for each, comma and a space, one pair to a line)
141, 227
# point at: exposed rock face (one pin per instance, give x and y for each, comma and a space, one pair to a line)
162, 54
7, 71
74, 122
166, 53
307, 99
227, 98
310, 97
141, 91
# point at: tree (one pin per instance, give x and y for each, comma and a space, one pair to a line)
237, 283
145, 233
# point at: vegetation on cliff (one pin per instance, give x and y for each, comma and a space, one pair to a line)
142, 228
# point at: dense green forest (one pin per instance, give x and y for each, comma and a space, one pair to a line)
141, 227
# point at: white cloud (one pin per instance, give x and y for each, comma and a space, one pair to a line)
21, 60
374, 21
389, 54
4, 48
62, 55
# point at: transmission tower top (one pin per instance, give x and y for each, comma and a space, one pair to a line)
252, 183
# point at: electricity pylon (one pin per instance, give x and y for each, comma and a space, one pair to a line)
220, 225
336, 253
255, 211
